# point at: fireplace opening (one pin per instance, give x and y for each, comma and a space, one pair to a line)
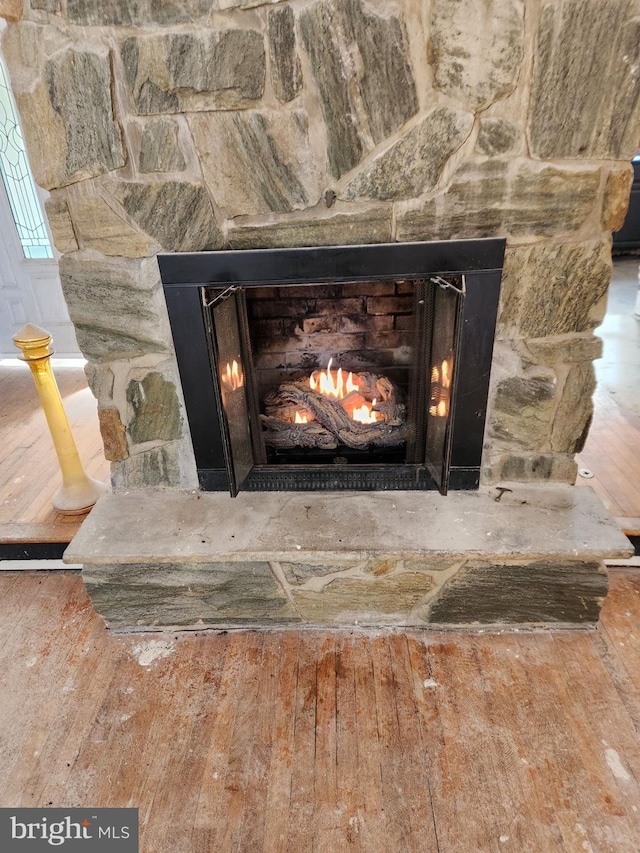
361, 367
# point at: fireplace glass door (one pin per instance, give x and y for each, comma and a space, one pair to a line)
340, 381
336, 367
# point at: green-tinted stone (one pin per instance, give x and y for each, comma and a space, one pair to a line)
187, 594
380, 85
496, 136
117, 309
159, 466
363, 225
554, 288
575, 410
414, 164
208, 70
286, 72
258, 162
156, 410
494, 198
93, 143
484, 593
163, 208
134, 12
159, 148
585, 97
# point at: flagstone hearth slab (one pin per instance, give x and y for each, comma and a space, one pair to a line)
528, 521
522, 556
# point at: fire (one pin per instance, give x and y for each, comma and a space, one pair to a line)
232, 376
331, 383
440, 389
364, 414
301, 419
334, 383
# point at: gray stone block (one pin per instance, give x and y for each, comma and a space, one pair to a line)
491, 198
381, 86
258, 162
156, 410
176, 72
138, 13
362, 225
159, 466
101, 227
86, 140
496, 136
575, 410
286, 71
545, 591
413, 165
187, 594
476, 48
585, 98
118, 309
554, 288
159, 148
177, 214
61, 225
533, 468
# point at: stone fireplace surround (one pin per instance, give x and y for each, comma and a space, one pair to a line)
204, 124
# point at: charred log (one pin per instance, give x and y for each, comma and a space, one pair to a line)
328, 421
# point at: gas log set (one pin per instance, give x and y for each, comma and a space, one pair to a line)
329, 408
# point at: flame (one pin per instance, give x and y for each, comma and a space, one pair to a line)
364, 414
331, 383
440, 389
232, 376
301, 419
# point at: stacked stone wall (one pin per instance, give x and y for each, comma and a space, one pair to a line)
203, 124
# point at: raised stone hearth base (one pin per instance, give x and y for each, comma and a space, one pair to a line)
525, 556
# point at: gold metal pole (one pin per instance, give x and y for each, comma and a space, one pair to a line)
78, 492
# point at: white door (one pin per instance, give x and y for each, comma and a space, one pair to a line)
30, 290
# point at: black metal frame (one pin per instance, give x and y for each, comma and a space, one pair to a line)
480, 261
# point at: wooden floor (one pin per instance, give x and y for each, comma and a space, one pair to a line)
612, 454
325, 741
29, 471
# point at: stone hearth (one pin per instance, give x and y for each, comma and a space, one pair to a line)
196, 560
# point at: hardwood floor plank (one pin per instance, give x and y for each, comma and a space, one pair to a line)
469, 779
220, 776
349, 795
514, 746
303, 796
369, 750
283, 756
326, 823
415, 768
621, 618
617, 763
555, 758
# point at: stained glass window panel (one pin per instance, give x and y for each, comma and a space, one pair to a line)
18, 180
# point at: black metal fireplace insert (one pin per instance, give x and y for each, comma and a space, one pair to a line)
339, 367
